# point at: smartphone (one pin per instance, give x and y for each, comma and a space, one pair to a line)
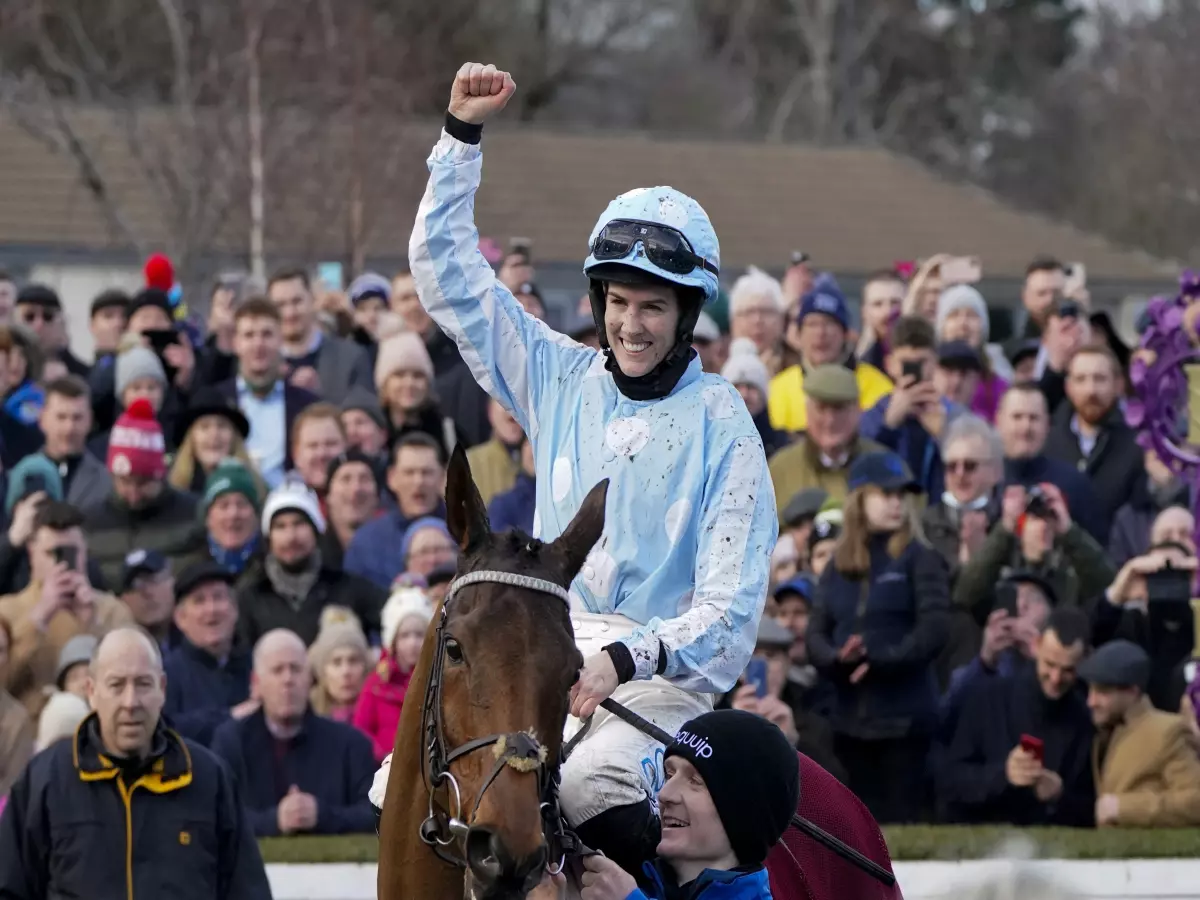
34, 482
961, 270
1067, 309
332, 275
799, 257
756, 674
161, 338
1076, 278
913, 369
1006, 598
1034, 746
68, 555
1169, 586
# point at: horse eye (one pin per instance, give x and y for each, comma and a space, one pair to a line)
454, 651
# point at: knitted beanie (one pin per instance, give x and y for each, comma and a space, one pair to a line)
229, 477
36, 464
420, 525
744, 366
404, 352
752, 774
293, 496
135, 363
404, 602
958, 297
135, 445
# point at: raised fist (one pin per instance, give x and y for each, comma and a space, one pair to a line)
479, 91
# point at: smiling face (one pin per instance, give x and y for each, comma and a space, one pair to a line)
691, 829
641, 323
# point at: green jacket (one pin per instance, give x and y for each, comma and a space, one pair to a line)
1077, 568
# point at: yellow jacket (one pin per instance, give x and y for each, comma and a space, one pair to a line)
1152, 769
493, 468
785, 394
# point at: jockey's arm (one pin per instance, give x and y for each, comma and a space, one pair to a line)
513, 356
706, 648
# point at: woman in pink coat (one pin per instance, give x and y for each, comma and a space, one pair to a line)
405, 619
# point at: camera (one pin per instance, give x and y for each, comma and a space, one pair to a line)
1037, 504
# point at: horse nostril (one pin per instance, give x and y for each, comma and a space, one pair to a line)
534, 866
482, 855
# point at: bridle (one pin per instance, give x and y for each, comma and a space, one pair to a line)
520, 750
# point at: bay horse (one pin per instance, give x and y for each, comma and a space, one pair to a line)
472, 792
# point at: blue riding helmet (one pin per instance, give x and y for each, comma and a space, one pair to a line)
670, 209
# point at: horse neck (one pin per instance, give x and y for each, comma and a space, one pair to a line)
407, 866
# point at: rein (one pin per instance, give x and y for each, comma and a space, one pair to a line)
520, 750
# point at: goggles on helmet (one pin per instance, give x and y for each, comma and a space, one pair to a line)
665, 247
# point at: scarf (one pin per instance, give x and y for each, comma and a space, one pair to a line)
294, 587
233, 559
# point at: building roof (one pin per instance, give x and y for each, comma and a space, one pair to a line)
852, 210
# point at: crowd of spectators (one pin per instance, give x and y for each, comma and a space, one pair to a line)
979, 609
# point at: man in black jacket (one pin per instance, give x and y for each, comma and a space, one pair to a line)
1021, 752
1089, 432
127, 807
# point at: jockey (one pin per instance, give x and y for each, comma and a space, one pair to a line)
667, 605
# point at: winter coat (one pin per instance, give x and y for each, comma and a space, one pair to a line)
377, 710
169, 524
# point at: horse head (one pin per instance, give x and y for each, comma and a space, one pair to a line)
502, 670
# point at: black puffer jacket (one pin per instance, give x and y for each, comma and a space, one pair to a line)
169, 524
261, 609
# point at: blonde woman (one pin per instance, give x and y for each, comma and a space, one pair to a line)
879, 620
210, 431
338, 658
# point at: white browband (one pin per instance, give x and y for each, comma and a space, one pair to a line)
489, 576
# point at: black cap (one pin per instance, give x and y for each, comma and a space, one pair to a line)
199, 573
1022, 350
352, 455
110, 299
882, 469
39, 295
151, 297
442, 574
1117, 664
752, 774
959, 355
804, 505
141, 562
823, 530
1028, 576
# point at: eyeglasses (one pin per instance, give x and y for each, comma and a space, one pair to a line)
968, 466
665, 247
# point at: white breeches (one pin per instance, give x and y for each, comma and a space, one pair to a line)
615, 764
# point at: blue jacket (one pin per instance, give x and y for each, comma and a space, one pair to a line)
690, 519
514, 508
1076, 489
918, 447
902, 612
332, 761
77, 826
201, 690
372, 553
732, 884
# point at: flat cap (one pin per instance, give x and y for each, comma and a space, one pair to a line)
959, 355
772, 634
805, 504
199, 573
832, 384
1117, 664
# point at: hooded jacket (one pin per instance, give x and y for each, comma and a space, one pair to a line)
690, 517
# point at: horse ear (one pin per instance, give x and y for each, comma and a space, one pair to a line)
576, 542
466, 515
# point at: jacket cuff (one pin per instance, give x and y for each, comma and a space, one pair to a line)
466, 132
648, 653
622, 660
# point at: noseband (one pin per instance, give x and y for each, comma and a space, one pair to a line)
516, 750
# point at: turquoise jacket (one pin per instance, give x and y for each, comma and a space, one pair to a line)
690, 520
732, 884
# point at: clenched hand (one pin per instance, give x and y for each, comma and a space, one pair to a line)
479, 91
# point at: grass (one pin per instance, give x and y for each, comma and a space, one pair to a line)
907, 842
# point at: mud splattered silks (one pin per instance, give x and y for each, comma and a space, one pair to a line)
690, 521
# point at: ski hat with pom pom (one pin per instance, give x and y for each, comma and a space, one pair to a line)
744, 365
135, 446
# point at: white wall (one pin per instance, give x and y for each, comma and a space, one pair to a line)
1092, 880
77, 285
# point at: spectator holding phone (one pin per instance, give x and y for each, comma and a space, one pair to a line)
962, 318
58, 604
878, 623
912, 418
1021, 748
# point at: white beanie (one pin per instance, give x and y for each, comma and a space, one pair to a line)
60, 717
293, 495
706, 329
404, 602
756, 285
958, 297
744, 365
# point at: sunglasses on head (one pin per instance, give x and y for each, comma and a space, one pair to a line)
968, 466
666, 247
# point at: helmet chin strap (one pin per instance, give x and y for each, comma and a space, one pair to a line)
661, 380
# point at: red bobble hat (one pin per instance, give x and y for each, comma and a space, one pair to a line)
135, 445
